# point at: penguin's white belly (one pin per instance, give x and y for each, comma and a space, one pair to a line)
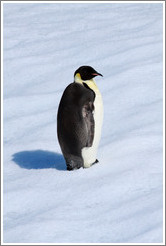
89, 153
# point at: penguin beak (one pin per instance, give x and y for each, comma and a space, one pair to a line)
96, 74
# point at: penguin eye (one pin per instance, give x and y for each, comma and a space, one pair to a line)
87, 75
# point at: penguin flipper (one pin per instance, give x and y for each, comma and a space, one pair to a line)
87, 113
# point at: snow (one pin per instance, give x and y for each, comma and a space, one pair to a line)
119, 200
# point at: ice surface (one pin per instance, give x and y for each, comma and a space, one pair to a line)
118, 200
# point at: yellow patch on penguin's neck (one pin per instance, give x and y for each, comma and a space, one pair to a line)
91, 83
78, 79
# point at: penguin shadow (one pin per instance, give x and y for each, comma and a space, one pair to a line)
39, 159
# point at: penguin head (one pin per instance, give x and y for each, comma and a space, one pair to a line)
84, 73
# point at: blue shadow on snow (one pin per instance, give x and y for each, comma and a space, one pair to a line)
39, 159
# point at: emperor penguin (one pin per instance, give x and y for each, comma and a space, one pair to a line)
79, 119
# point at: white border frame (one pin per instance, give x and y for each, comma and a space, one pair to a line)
99, 1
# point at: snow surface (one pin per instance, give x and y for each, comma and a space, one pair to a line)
118, 200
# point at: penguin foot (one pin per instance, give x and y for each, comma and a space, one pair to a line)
69, 168
74, 163
96, 161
